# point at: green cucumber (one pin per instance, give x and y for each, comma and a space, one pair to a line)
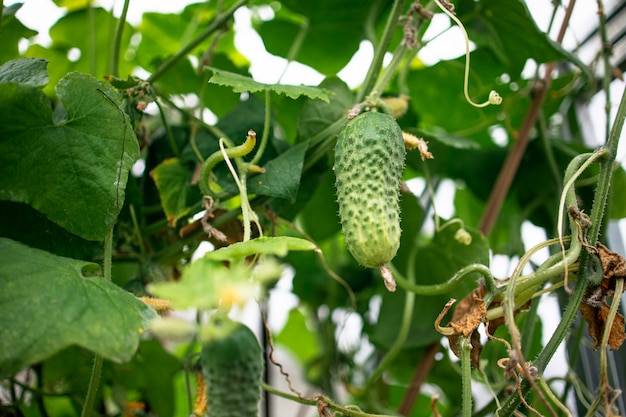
369, 159
232, 364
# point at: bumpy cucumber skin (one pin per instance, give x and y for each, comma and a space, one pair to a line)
369, 160
232, 367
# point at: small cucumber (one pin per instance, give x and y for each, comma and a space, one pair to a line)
369, 159
232, 365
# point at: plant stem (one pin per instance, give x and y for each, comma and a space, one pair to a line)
219, 20
389, 72
168, 131
606, 172
96, 371
405, 325
380, 50
346, 411
117, 40
266, 129
92, 38
295, 47
92, 390
580, 289
465, 348
447, 286
606, 56
604, 389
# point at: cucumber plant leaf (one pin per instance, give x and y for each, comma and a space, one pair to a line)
241, 84
80, 42
12, 32
509, 30
172, 179
30, 71
282, 175
49, 303
71, 165
329, 31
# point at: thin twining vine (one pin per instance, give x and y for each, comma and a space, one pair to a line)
322, 403
494, 97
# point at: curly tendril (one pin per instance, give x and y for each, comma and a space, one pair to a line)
494, 97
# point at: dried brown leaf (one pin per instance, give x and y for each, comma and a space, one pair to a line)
467, 316
469, 313
613, 267
596, 321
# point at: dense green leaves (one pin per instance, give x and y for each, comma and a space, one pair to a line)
325, 36
49, 303
241, 84
81, 41
509, 30
71, 165
66, 150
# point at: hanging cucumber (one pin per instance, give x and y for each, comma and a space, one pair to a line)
232, 364
369, 159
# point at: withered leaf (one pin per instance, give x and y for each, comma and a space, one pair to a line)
468, 315
596, 320
613, 267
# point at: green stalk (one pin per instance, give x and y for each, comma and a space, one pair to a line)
295, 47
405, 326
1, 13
389, 72
220, 20
465, 349
92, 390
580, 289
447, 286
315, 401
117, 40
96, 371
92, 38
168, 131
380, 50
606, 61
266, 129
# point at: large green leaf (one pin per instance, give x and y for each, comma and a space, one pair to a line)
241, 84
23, 223
509, 30
30, 71
48, 303
73, 165
434, 263
12, 32
282, 175
330, 32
